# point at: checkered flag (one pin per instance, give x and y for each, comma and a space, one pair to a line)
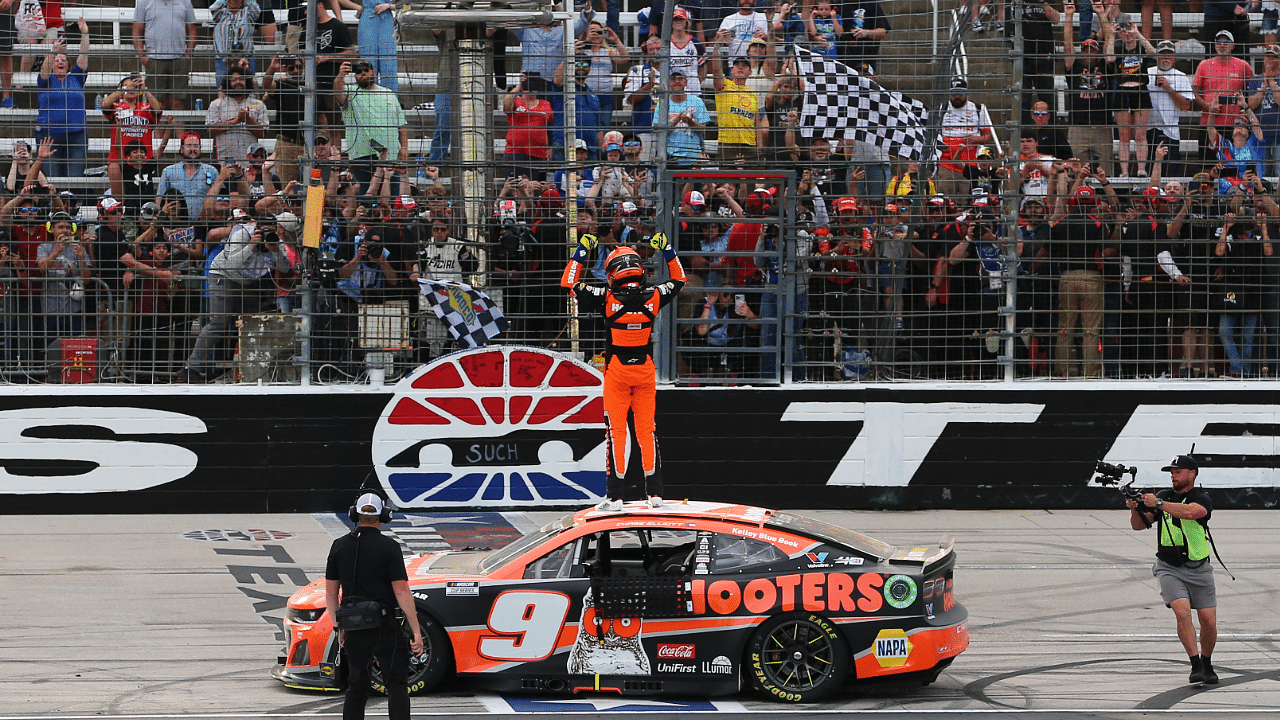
840, 102
472, 317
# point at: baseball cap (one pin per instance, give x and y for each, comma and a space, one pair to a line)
580, 144
1090, 44
985, 152
959, 84
1086, 193
846, 203
321, 137
613, 146
1225, 34
613, 136
628, 208
1181, 462
191, 134
1123, 20
676, 71
110, 204
239, 215
369, 504
680, 14
757, 41
1166, 46
288, 222
257, 148
1201, 178
695, 198
404, 202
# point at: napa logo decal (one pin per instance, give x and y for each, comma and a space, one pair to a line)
460, 301
494, 426
893, 648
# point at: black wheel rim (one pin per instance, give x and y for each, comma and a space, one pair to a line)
797, 656
416, 669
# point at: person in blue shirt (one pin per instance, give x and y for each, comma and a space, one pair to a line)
1243, 151
592, 119
61, 113
687, 117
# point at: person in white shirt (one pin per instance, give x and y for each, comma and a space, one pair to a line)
686, 54
1171, 93
744, 26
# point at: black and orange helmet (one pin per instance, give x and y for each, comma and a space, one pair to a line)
623, 268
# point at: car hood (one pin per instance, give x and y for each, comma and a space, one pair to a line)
450, 563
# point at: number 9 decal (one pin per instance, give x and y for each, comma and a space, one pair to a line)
527, 624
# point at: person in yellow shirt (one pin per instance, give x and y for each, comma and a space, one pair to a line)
741, 120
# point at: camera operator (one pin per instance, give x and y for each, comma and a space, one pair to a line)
368, 274
511, 258
1181, 517
239, 283
368, 566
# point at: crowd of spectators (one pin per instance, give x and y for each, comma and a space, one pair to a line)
1157, 273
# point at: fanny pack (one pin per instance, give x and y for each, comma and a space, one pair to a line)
356, 614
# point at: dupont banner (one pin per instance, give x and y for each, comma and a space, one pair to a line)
522, 428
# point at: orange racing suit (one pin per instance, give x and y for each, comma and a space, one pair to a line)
630, 382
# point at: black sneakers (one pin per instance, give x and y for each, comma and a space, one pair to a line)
1197, 670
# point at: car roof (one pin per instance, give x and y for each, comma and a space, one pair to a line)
684, 508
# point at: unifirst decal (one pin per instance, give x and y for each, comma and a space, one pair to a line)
893, 648
837, 593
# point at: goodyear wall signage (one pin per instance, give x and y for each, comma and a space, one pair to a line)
523, 427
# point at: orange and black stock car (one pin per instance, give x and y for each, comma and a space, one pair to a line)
693, 599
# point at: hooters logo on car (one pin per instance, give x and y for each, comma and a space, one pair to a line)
672, 651
494, 426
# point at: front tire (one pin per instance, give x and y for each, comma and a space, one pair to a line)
437, 656
799, 657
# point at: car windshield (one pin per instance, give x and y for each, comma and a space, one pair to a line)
517, 548
831, 533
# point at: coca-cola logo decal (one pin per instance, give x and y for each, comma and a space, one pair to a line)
671, 651
494, 426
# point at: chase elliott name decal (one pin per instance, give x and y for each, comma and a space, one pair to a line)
494, 426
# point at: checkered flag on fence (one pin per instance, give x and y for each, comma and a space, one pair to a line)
838, 102
472, 317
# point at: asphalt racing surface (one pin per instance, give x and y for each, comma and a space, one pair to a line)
178, 616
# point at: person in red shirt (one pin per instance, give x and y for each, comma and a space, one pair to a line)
527, 120
1219, 78
134, 112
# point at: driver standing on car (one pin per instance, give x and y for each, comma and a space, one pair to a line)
1181, 516
368, 565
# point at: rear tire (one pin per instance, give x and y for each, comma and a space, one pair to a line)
798, 657
437, 660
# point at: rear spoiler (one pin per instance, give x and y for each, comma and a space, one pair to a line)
926, 557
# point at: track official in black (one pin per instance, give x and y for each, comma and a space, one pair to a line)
369, 565
1181, 517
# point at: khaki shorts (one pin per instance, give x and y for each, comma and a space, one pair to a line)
1194, 584
169, 78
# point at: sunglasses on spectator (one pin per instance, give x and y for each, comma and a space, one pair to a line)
224, 198
631, 143
29, 209
1040, 113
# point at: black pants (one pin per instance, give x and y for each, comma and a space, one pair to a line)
390, 646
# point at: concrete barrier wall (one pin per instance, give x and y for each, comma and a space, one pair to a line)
189, 450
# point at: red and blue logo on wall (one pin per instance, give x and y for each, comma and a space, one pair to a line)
494, 426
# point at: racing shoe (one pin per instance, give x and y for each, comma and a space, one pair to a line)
609, 506
655, 501
1210, 677
1197, 670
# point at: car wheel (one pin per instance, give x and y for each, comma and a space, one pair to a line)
437, 659
799, 657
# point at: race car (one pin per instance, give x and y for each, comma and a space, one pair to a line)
693, 598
